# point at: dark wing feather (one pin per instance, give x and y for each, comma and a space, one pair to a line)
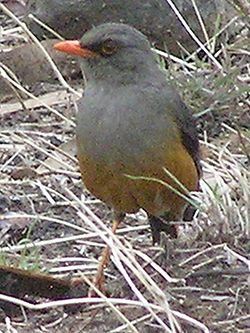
186, 124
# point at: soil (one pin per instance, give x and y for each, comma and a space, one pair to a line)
213, 285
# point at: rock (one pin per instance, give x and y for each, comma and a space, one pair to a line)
155, 18
16, 6
30, 66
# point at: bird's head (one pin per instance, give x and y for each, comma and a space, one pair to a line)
111, 50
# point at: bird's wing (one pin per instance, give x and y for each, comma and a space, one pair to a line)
187, 125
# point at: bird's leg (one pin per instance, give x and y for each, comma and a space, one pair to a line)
99, 277
158, 225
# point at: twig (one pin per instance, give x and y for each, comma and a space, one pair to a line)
201, 24
45, 26
17, 85
39, 45
192, 34
245, 6
219, 272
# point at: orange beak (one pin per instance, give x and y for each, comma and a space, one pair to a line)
73, 47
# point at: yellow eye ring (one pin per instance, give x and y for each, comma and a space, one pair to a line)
108, 47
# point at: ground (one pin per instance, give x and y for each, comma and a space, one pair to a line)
49, 223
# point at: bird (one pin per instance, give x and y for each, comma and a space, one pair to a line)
137, 141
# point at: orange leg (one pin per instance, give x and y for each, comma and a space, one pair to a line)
99, 278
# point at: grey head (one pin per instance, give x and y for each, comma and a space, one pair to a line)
120, 53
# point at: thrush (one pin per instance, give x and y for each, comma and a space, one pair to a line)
136, 139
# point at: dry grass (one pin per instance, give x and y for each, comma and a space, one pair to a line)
198, 283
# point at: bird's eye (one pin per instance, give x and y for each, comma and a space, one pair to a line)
108, 47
